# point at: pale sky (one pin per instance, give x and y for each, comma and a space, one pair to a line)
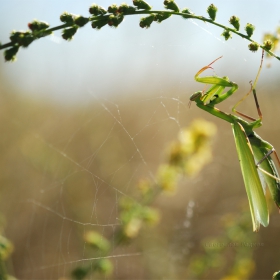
97, 61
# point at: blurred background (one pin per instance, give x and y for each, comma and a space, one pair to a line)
83, 121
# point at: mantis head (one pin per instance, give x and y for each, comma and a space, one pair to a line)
197, 95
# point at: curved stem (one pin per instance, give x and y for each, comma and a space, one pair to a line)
46, 32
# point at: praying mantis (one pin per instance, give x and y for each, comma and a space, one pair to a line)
257, 166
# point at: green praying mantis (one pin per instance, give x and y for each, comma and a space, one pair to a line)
257, 166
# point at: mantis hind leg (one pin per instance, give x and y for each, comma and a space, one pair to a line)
266, 156
267, 166
253, 86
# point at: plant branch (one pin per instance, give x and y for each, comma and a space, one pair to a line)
114, 15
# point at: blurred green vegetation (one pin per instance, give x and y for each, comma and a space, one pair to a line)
64, 170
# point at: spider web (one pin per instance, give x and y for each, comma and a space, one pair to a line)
70, 156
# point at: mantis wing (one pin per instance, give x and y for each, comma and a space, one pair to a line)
260, 149
255, 193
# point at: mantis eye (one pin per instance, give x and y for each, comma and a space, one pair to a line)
196, 95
